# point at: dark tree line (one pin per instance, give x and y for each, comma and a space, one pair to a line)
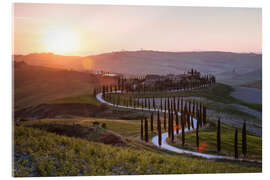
138, 85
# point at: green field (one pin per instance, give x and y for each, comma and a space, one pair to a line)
209, 136
83, 99
34, 85
127, 128
218, 92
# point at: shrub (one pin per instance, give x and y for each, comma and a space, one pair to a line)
103, 125
95, 123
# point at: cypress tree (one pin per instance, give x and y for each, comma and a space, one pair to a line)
145, 102
152, 119
244, 139
218, 136
154, 104
149, 106
197, 136
142, 104
189, 107
178, 104
177, 122
183, 129
188, 121
161, 105
169, 123
146, 129
192, 123
165, 112
159, 130
193, 108
174, 103
236, 144
198, 117
185, 115
204, 115
141, 129
181, 105
172, 126
134, 101
200, 114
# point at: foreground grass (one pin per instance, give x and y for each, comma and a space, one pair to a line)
208, 136
39, 153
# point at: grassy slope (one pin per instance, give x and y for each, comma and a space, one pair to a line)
123, 127
45, 154
34, 85
218, 92
83, 99
109, 113
126, 128
254, 143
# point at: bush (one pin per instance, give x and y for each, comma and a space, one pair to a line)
103, 125
95, 123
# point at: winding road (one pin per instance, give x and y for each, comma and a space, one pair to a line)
165, 145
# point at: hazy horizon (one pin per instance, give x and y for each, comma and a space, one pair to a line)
94, 54
80, 30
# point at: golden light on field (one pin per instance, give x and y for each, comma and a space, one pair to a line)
61, 40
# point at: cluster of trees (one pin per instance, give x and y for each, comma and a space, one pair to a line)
139, 85
244, 139
176, 114
144, 127
174, 126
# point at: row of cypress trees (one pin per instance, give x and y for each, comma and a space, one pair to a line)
144, 132
244, 139
171, 118
189, 109
135, 85
144, 128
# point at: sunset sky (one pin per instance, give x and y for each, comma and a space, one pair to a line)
89, 29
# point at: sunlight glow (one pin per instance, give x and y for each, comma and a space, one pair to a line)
60, 40
88, 63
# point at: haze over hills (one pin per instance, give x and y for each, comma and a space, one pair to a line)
226, 66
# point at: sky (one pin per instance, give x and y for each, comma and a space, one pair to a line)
81, 30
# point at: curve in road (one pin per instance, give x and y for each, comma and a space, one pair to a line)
165, 145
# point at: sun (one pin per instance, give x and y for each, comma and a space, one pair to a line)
60, 40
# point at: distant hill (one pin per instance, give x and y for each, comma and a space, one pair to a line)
51, 60
248, 78
223, 64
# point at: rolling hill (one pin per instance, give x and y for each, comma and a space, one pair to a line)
34, 85
223, 64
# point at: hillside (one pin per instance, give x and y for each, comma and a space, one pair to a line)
223, 64
39, 153
37, 84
